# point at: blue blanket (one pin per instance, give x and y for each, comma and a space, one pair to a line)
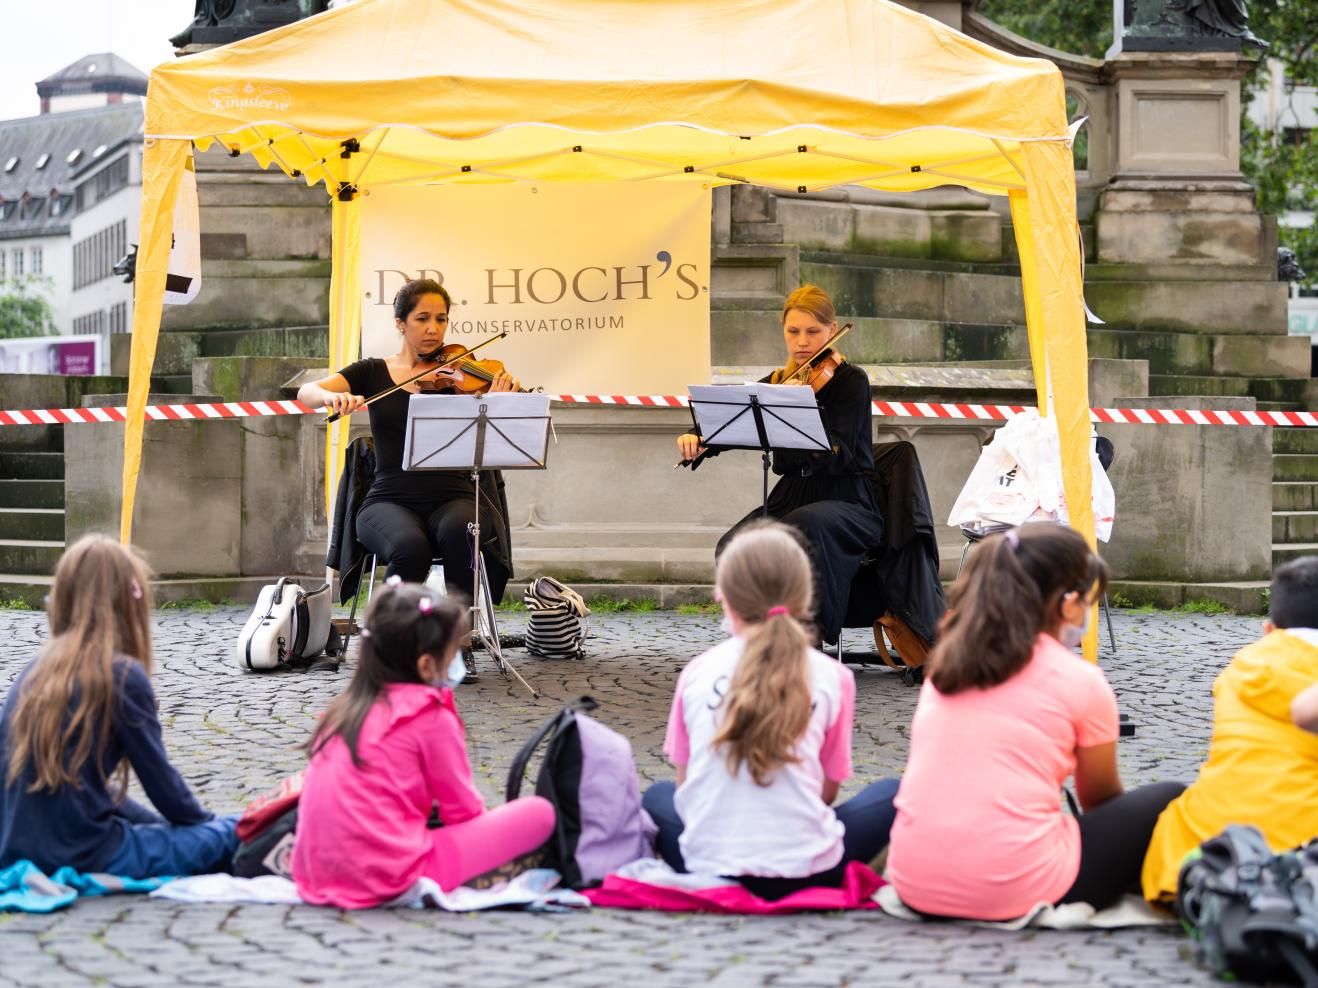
25, 888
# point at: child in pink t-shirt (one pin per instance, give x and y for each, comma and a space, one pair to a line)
1008, 712
760, 732
391, 750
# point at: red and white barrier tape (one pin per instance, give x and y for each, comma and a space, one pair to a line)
887, 409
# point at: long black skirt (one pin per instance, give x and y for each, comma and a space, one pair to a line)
838, 535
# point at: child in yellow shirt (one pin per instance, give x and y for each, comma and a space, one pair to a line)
1262, 766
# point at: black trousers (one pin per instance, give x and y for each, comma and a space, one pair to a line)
838, 535
407, 540
1113, 840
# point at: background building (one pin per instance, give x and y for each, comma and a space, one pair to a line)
81, 152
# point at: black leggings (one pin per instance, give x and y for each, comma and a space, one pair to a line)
407, 541
1113, 840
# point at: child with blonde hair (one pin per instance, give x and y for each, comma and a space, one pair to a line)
78, 717
760, 733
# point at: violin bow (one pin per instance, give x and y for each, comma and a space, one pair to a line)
334, 416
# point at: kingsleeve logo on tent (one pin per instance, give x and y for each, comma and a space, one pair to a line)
249, 96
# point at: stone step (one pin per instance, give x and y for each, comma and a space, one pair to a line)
1285, 553
616, 537
637, 564
1294, 526
1249, 597
1199, 353
31, 493
1295, 466
1295, 496
1294, 440
24, 588
1252, 308
240, 294
25, 556
1196, 384
32, 466
1290, 392
41, 524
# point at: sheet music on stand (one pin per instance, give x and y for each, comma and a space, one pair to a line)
471, 433
447, 432
758, 416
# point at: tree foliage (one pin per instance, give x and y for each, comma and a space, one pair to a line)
1280, 162
24, 311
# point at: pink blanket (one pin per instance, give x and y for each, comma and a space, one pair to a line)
857, 892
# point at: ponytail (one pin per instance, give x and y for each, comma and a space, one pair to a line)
764, 578
1009, 592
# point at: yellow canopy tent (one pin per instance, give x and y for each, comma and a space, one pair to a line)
800, 95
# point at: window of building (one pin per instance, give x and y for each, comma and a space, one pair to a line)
32, 207
100, 150
8, 208
37, 263
11, 164
18, 262
2, 265
60, 205
73, 156
43, 160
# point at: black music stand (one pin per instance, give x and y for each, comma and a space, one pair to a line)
498, 431
766, 417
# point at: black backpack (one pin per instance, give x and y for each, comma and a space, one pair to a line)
1252, 913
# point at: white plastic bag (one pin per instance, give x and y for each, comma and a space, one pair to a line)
1019, 478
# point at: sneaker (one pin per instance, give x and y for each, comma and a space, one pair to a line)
469, 662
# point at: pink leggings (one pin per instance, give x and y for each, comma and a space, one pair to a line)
460, 852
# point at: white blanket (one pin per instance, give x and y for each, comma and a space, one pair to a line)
536, 890
1130, 911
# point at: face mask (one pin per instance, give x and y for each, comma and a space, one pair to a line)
453, 675
1073, 636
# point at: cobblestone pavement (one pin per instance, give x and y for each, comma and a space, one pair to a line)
234, 734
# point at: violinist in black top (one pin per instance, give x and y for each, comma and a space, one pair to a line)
827, 497
409, 517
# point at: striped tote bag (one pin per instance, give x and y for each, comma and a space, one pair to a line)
558, 625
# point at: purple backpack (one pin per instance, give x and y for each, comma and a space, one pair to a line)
590, 777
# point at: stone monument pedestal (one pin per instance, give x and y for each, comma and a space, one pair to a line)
1177, 194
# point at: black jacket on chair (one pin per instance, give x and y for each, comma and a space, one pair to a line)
346, 554
901, 576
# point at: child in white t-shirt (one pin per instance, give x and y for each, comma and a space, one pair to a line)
760, 732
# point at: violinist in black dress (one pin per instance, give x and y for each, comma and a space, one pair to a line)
409, 517
827, 497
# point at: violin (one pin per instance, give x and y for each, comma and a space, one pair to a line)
468, 377
482, 372
818, 370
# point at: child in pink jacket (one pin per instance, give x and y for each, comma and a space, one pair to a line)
390, 750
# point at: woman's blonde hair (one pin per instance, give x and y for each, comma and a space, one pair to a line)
767, 707
811, 299
99, 607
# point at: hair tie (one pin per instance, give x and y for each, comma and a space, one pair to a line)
425, 605
1013, 539
775, 611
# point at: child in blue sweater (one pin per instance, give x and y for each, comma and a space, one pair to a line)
77, 718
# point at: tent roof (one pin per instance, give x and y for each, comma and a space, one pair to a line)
719, 90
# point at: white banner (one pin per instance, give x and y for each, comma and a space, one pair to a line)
602, 288
183, 278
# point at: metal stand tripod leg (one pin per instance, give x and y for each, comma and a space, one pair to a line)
484, 626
